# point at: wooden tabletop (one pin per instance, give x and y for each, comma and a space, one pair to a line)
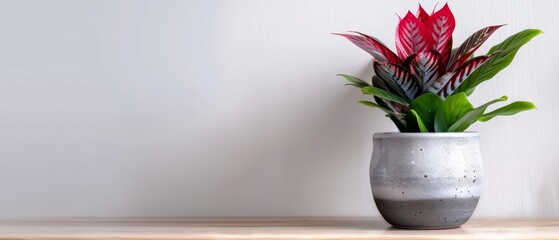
266, 228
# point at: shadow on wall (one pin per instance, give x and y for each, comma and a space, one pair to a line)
243, 169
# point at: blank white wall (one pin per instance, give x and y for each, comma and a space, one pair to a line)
232, 108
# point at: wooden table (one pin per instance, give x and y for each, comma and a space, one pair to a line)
266, 228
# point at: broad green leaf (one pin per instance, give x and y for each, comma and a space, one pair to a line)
426, 106
440, 124
472, 116
501, 60
355, 81
508, 110
384, 94
374, 105
452, 109
420, 124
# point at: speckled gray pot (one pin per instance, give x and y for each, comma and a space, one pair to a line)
426, 180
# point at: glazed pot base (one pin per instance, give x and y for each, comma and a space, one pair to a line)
427, 214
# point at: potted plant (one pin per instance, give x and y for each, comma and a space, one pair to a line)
428, 176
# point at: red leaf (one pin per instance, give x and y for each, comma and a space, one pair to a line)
445, 55
461, 74
441, 24
422, 15
388, 54
374, 47
470, 46
412, 36
364, 44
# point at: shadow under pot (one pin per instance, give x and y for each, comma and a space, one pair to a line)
426, 180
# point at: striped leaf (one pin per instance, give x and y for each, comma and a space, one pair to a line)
379, 83
373, 46
441, 24
408, 60
425, 67
461, 74
412, 37
397, 79
390, 85
445, 55
504, 54
385, 51
396, 107
469, 46
436, 86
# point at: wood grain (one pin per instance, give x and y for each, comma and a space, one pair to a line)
266, 228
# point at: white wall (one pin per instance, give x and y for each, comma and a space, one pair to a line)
232, 108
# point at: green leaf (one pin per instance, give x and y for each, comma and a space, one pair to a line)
377, 82
420, 124
355, 81
426, 106
452, 109
500, 60
440, 124
374, 105
508, 110
470, 91
384, 94
472, 116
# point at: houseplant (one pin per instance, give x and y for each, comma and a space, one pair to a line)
429, 175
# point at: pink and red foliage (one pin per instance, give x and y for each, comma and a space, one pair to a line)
424, 53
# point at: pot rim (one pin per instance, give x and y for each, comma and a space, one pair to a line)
426, 135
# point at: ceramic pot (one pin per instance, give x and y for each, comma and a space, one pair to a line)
426, 180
